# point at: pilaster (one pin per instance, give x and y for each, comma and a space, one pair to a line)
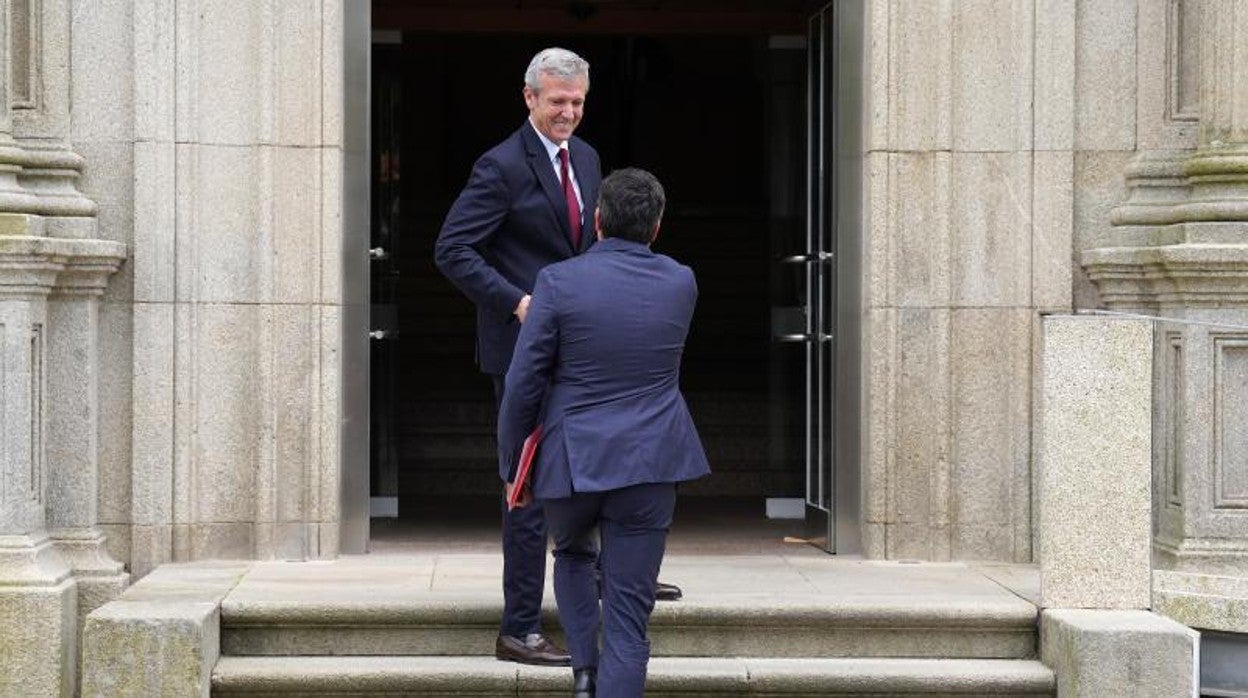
38, 596
53, 563
1180, 250
73, 421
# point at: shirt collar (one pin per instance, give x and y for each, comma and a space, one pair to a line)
615, 244
552, 148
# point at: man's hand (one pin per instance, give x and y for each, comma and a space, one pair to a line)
523, 308
526, 494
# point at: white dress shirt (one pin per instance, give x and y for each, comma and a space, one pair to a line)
552, 152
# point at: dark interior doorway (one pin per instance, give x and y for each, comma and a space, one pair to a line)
717, 112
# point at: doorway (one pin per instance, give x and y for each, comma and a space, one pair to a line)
718, 111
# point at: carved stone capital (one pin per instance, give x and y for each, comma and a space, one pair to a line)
1191, 275
31, 265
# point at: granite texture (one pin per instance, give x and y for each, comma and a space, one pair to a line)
169, 619
1118, 653
1095, 463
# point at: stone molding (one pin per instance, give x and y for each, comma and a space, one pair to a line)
83, 551
31, 560
50, 170
1204, 601
1158, 186
36, 265
1188, 275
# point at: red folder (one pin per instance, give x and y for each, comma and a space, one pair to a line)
527, 451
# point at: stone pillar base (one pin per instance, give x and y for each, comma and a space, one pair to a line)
38, 611
1221, 556
1119, 653
1204, 601
100, 578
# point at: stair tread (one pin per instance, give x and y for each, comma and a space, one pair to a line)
666, 674
422, 607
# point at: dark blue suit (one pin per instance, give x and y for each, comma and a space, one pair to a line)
598, 363
509, 222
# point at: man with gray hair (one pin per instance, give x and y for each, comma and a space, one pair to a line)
523, 209
528, 203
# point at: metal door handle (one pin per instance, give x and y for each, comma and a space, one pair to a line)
820, 337
380, 334
378, 253
807, 258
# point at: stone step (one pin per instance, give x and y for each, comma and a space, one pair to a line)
731, 626
679, 676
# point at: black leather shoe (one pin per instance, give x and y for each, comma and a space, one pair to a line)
583, 682
533, 648
667, 592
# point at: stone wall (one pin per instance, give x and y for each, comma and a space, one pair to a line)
212, 132
998, 136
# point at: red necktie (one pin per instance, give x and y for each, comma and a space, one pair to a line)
569, 195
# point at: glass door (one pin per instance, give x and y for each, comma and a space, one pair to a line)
819, 264
830, 269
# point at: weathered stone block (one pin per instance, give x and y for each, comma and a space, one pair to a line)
1095, 462
1052, 229
992, 76
1105, 76
990, 357
37, 625
162, 637
990, 218
1118, 653
920, 87
150, 649
918, 234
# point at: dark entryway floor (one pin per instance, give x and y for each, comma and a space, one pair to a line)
702, 526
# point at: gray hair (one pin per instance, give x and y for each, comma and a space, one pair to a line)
560, 63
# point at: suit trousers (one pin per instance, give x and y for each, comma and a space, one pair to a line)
524, 560
632, 524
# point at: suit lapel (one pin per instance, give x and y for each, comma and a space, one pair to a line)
544, 171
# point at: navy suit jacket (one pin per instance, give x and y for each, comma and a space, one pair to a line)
601, 350
509, 222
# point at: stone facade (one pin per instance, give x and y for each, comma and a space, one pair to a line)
970, 204
216, 153
171, 298
54, 567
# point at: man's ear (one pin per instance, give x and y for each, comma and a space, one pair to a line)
597, 223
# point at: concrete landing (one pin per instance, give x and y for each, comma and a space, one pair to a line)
404, 580
424, 624
757, 606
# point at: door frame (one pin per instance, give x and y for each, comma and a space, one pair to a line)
833, 257
353, 466
844, 528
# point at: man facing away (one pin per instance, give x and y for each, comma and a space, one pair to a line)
597, 363
522, 209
